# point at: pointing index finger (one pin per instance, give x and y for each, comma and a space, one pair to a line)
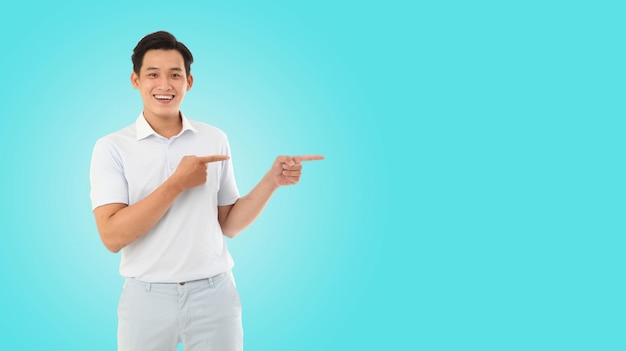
308, 158
213, 158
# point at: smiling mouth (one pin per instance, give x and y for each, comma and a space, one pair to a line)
161, 97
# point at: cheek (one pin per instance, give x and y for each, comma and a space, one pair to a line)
146, 94
146, 89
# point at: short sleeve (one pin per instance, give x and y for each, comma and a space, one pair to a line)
106, 175
228, 193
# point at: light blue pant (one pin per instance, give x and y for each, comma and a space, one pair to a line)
203, 315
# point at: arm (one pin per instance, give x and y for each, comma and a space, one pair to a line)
286, 170
120, 224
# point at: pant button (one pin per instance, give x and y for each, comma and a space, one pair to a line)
182, 283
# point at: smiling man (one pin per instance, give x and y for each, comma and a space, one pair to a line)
163, 193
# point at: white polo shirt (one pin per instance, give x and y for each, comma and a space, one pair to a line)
187, 243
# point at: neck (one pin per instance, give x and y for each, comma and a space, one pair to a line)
165, 126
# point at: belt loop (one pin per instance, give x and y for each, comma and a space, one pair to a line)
148, 287
211, 284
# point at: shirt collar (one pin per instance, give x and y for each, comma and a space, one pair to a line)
144, 129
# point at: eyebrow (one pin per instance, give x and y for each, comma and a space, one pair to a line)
157, 68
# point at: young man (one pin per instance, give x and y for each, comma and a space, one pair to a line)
164, 194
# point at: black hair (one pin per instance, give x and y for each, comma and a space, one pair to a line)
160, 40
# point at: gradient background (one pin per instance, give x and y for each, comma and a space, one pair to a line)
472, 197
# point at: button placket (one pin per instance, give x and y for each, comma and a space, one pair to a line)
171, 167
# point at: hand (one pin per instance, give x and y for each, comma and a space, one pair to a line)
192, 170
287, 170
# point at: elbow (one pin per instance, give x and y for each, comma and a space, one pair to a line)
110, 245
229, 233
112, 248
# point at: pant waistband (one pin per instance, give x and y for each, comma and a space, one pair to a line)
210, 281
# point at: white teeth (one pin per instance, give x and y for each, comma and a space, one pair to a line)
164, 97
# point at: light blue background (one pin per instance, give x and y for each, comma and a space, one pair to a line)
473, 192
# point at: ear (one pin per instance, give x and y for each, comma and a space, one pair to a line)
189, 82
134, 79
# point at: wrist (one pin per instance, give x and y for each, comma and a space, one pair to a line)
174, 186
269, 182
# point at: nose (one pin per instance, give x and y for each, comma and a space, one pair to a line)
164, 83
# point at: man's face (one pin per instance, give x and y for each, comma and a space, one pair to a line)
162, 83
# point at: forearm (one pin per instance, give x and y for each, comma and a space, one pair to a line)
248, 208
119, 228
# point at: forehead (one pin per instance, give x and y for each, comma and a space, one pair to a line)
162, 59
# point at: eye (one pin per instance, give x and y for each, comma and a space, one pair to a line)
175, 75
152, 75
